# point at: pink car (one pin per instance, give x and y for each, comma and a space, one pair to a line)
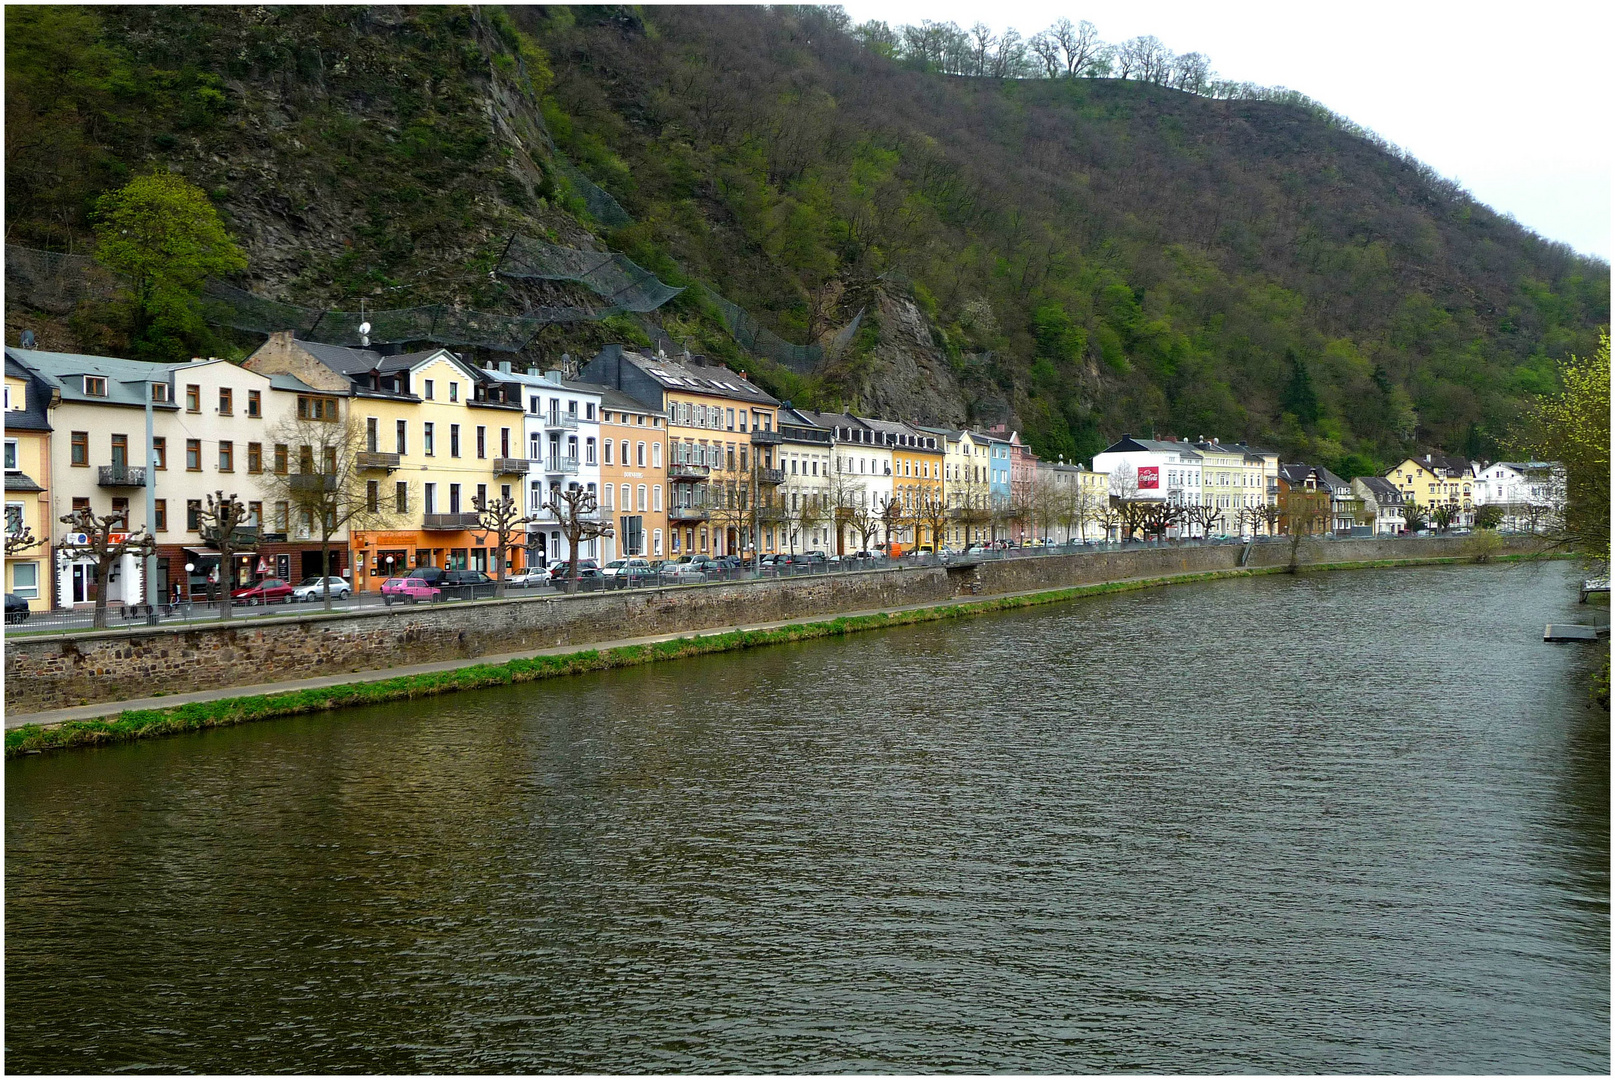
410, 590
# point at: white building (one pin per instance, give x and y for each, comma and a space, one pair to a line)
805, 455
1530, 494
1147, 469
559, 449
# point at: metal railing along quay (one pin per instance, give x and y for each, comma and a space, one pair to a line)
664, 575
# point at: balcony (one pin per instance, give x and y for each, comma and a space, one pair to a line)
374, 459
681, 471
770, 476
122, 476
561, 421
561, 466
687, 513
510, 466
311, 482
449, 522
760, 437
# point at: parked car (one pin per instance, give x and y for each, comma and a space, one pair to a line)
432, 575
313, 589
266, 591
16, 608
682, 573
409, 590
636, 573
559, 569
527, 578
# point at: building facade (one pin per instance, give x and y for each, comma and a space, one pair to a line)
29, 569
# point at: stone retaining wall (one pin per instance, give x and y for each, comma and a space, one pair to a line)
112, 665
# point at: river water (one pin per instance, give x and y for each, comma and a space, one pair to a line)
1340, 822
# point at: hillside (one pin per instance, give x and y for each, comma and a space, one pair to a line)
1080, 257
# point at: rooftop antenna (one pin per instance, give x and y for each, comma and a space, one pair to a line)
364, 325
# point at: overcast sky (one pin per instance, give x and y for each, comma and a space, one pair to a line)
1512, 101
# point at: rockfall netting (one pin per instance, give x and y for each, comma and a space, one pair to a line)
56, 282
617, 279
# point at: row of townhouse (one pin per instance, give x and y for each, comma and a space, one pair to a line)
683, 457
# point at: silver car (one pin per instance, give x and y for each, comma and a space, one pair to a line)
312, 589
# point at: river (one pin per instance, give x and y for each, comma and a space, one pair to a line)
1349, 822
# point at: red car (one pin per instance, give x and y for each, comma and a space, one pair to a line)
409, 590
268, 591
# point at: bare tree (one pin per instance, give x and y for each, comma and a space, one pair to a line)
893, 515
1304, 512
1205, 516
20, 540
983, 41
932, 512
1009, 61
223, 521
328, 487
104, 539
501, 518
1191, 72
579, 514
1444, 515
1047, 50
1079, 45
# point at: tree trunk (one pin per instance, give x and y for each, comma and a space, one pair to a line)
100, 620
499, 568
325, 569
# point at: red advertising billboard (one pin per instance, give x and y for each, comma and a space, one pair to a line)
1149, 478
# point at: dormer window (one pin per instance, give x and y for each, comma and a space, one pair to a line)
95, 386
159, 391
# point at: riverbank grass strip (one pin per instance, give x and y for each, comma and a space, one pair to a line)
134, 724
196, 716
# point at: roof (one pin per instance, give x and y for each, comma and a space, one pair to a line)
1129, 445
1383, 489
1452, 463
615, 400
347, 360
698, 377
126, 379
281, 381
16, 481
35, 416
1331, 479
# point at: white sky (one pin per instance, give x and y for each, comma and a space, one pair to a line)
1512, 101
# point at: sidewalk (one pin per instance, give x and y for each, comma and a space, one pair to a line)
348, 678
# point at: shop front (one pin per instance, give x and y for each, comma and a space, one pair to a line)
380, 555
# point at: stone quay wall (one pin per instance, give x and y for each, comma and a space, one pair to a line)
88, 667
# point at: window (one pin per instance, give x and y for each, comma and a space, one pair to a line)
255, 457
95, 385
81, 448
193, 515
608, 451
639, 456
625, 453
11, 454
588, 411
454, 495
159, 448
454, 391
656, 498
282, 512
643, 502
193, 398
482, 496
656, 455
25, 579
226, 401
227, 456
255, 403
454, 436
402, 437
161, 509
372, 496
729, 419
482, 441
310, 407
280, 459
14, 524
427, 439
159, 391
120, 451
607, 504
431, 498
588, 452
427, 389
193, 455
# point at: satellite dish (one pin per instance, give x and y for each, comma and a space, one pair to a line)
364, 328
28, 339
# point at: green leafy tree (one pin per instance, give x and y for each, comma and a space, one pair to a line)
163, 234
1572, 428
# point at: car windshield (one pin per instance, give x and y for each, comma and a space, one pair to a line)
393, 582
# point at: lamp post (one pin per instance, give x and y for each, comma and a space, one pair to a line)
190, 568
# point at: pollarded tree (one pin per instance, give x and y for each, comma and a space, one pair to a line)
102, 537
579, 514
1443, 515
223, 524
502, 519
20, 540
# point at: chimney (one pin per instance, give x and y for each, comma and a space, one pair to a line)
504, 367
744, 377
554, 377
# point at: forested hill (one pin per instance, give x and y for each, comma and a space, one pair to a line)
1078, 256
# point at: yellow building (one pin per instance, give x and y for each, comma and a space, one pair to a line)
1435, 480
918, 458
430, 426
722, 467
28, 479
966, 485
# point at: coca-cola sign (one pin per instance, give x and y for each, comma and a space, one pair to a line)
1149, 478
